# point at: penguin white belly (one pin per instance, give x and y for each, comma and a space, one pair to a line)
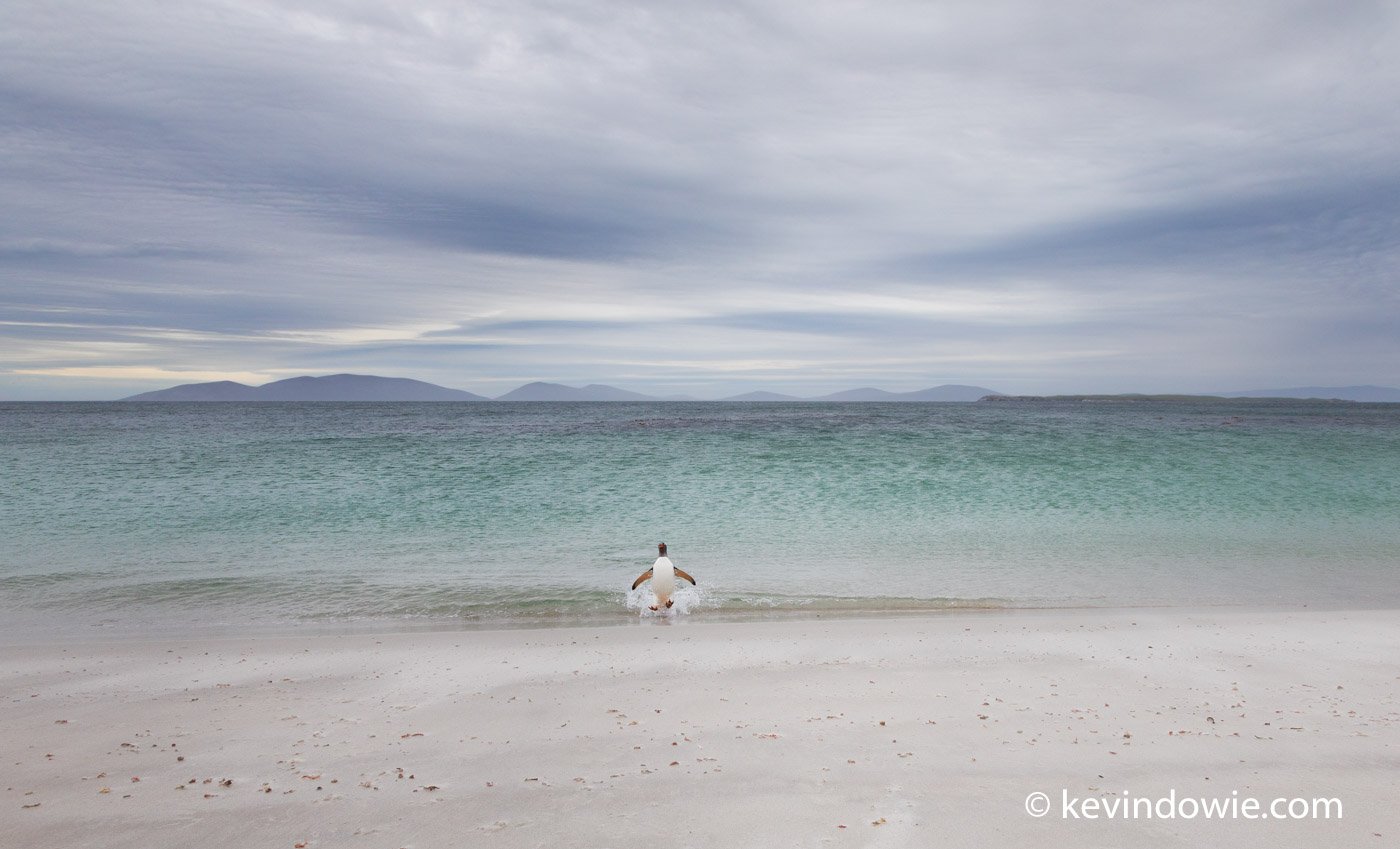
663, 579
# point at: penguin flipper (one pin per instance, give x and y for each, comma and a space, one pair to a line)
644, 576
682, 574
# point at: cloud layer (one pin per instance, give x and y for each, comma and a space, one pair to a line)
708, 198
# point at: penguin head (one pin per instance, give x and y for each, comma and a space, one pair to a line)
661, 548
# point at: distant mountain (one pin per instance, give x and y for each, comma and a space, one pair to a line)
1341, 393
364, 387
762, 396
221, 390
946, 392
559, 392
336, 387
1124, 398
360, 387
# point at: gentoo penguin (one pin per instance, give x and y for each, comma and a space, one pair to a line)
663, 578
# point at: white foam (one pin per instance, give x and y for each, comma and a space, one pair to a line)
685, 599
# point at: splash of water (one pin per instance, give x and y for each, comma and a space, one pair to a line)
686, 598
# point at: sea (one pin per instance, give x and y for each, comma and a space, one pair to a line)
121, 518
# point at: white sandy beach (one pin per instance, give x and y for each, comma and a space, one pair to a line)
883, 732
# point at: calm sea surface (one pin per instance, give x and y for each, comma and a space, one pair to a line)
190, 516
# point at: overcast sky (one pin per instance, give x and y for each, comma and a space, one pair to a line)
700, 197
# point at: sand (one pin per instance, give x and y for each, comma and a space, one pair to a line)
875, 732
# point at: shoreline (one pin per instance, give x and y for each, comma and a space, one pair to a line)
34, 634
907, 730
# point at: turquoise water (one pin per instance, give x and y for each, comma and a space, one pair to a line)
234, 515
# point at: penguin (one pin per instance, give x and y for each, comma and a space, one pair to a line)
663, 578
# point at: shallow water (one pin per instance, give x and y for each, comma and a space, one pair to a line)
239, 514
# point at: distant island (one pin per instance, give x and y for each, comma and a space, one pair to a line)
560, 392
1354, 394
335, 387
364, 387
1382, 394
946, 392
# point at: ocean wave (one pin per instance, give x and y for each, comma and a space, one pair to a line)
290, 600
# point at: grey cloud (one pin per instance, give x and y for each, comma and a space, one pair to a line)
196, 309
261, 168
466, 224
552, 325
417, 353
1322, 223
